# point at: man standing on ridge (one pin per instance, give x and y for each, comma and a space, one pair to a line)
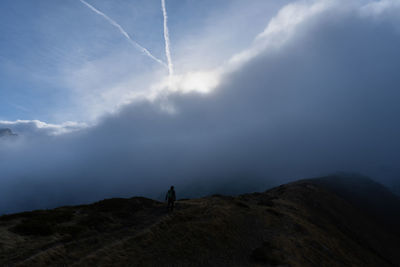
171, 197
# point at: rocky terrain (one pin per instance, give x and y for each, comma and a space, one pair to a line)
330, 221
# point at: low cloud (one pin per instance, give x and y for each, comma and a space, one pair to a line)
39, 128
322, 99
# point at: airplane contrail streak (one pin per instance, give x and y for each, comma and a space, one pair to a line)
124, 33
166, 38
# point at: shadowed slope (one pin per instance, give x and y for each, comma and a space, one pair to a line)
371, 197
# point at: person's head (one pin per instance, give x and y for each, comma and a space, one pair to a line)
172, 187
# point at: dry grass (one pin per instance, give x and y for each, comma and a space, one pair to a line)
298, 224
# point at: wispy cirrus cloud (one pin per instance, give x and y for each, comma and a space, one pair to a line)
124, 33
166, 38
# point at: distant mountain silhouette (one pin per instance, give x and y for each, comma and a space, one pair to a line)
5, 132
329, 221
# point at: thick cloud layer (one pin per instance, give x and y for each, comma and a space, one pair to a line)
324, 99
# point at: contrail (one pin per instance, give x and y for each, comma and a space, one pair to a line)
166, 38
124, 33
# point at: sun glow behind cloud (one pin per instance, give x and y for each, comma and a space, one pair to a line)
190, 79
99, 91
201, 82
276, 33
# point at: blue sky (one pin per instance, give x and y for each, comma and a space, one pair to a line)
59, 61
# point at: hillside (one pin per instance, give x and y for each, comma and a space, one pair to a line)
313, 222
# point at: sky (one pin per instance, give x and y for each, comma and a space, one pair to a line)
60, 61
262, 93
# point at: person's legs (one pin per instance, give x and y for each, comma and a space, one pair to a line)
170, 205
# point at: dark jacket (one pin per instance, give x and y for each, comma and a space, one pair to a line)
171, 195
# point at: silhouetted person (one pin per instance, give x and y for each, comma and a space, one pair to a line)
171, 197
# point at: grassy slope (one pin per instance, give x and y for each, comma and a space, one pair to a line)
299, 224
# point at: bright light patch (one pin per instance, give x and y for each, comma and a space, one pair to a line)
200, 82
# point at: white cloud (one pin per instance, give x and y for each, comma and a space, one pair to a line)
278, 31
101, 86
376, 8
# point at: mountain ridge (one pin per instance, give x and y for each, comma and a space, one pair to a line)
303, 223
